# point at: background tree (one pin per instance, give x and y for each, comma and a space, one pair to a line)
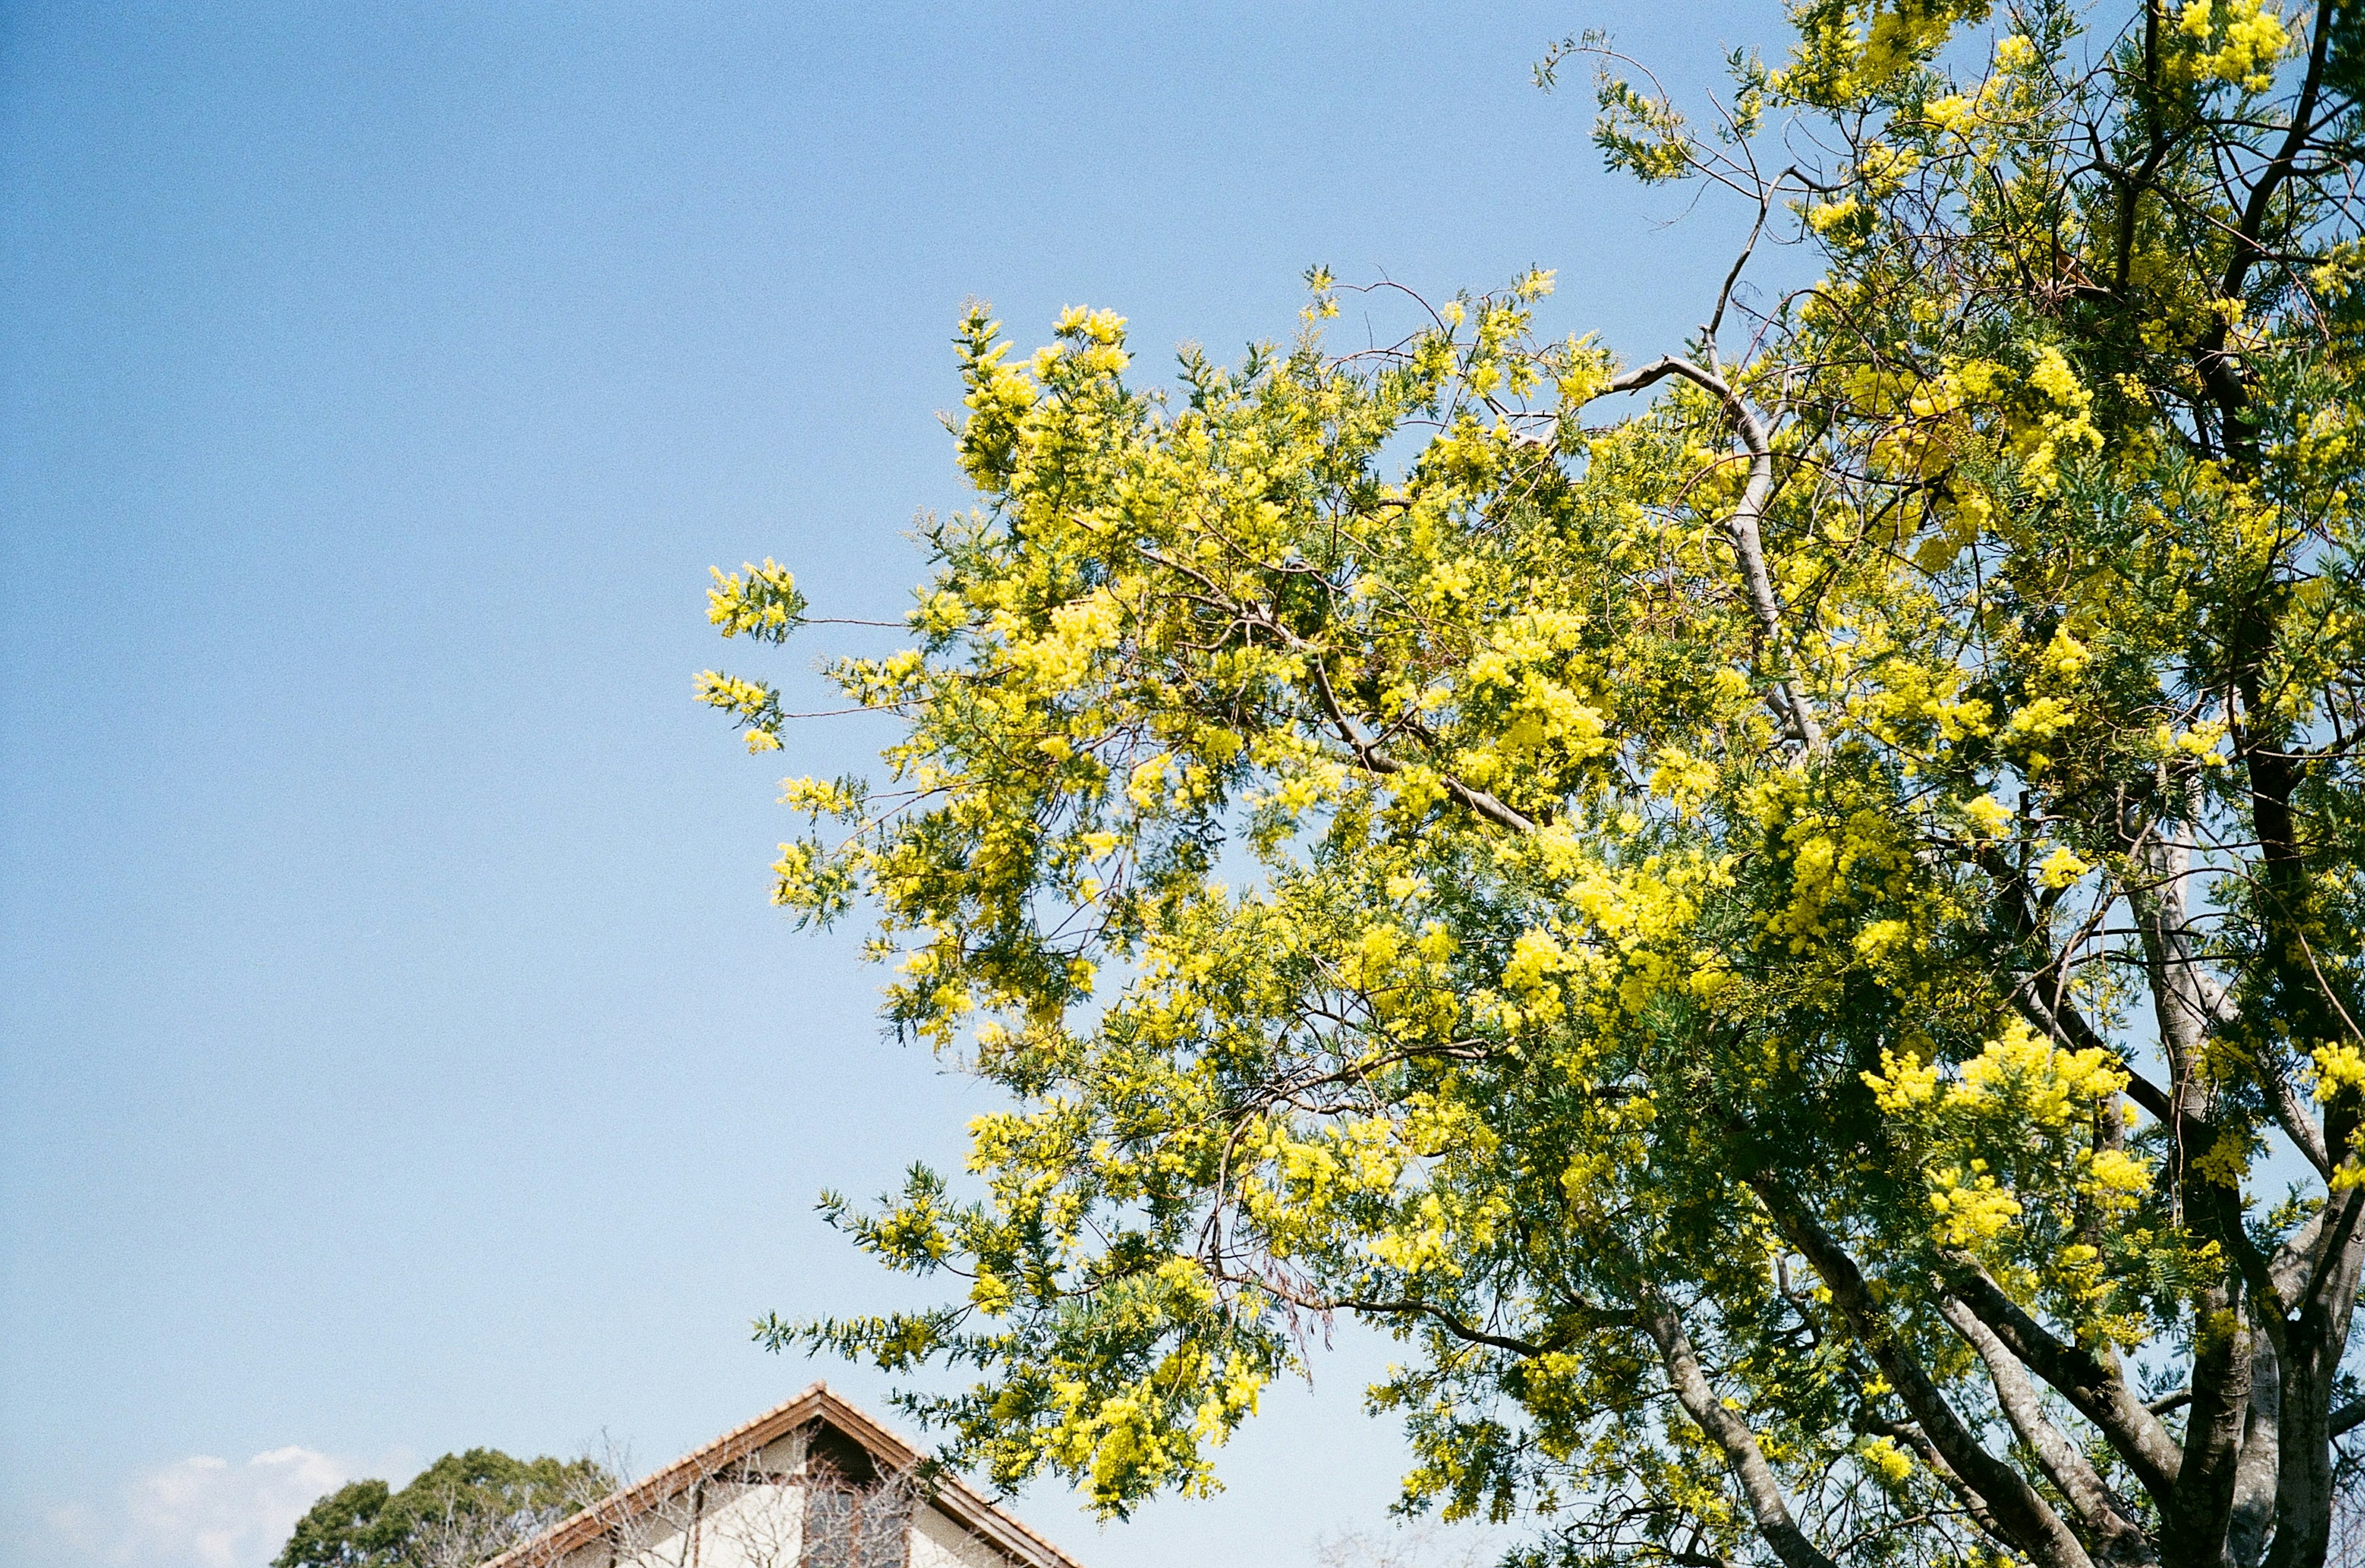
1798, 943
457, 1512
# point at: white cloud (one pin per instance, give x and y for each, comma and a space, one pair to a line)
203, 1512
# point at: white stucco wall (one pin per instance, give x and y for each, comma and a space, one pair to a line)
938, 1542
759, 1529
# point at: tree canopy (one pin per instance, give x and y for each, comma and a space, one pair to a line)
458, 1511
1795, 939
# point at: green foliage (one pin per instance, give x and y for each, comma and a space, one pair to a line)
461, 1509
1785, 940
347, 1528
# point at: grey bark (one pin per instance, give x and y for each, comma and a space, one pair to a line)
2027, 1521
2111, 1532
1767, 1506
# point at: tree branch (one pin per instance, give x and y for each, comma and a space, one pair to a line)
2026, 1519
1758, 1483
2108, 1523
1742, 528
2095, 1388
1366, 751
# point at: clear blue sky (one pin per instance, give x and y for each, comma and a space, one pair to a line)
397, 1051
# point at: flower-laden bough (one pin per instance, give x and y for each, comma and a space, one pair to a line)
1787, 917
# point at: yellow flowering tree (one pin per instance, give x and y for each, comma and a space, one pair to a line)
1786, 917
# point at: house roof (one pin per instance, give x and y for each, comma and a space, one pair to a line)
950, 1494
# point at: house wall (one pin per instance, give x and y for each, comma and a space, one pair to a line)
938, 1542
759, 1528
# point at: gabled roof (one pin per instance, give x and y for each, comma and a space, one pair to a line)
950, 1494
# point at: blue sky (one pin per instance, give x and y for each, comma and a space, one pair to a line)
397, 1051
